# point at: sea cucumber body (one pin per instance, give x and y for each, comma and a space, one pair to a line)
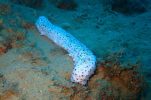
84, 60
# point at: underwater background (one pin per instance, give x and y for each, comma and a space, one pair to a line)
118, 32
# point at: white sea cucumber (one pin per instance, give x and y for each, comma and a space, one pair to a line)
84, 60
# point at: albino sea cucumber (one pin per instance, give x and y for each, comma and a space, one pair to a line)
84, 60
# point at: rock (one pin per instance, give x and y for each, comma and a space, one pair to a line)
129, 7
3, 49
4, 10
66, 25
67, 4
29, 3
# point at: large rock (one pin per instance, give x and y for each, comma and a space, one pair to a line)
65, 4
29, 3
129, 6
